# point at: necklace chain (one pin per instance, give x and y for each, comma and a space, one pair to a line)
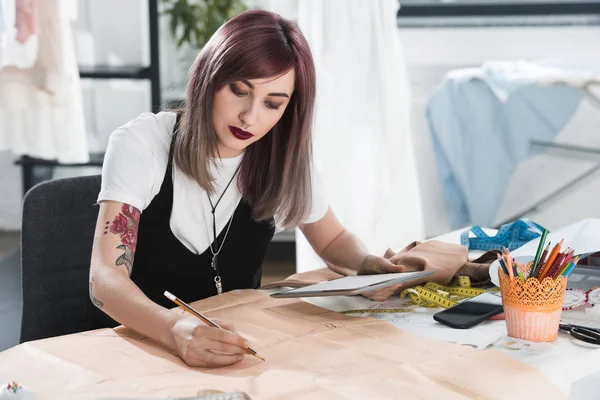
213, 209
224, 237
214, 262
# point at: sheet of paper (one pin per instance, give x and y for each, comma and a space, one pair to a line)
310, 352
525, 351
419, 320
583, 236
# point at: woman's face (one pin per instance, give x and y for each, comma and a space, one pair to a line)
245, 111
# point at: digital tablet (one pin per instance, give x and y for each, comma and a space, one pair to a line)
351, 285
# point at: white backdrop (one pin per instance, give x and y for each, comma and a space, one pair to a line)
363, 147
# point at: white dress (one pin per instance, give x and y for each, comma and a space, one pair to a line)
41, 106
33, 121
362, 140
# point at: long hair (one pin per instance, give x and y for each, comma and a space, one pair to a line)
275, 174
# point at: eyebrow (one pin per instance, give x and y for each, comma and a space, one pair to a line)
251, 86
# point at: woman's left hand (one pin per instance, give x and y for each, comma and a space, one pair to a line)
379, 265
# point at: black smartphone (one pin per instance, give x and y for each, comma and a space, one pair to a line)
471, 312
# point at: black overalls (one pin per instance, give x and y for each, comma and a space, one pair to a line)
162, 262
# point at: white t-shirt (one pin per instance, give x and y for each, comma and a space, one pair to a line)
134, 168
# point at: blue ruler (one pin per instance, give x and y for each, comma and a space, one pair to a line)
512, 236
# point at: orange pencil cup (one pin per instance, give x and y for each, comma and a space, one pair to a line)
532, 309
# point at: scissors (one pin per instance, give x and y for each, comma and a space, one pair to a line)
583, 333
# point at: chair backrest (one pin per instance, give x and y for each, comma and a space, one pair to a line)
59, 217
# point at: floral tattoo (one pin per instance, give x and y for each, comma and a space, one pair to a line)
126, 225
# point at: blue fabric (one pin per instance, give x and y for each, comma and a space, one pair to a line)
481, 121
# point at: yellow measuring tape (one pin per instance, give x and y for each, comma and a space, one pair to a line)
463, 281
422, 296
433, 295
378, 311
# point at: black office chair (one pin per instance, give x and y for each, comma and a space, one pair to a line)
59, 217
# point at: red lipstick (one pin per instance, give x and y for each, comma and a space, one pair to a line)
240, 133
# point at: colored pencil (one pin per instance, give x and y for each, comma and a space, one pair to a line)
555, 265
543, 271
566, 257
508, 262
521, 270
570, 268
565, 263
535, 267
540, 248
501, 261
207, 321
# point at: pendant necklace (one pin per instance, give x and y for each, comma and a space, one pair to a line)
215, 252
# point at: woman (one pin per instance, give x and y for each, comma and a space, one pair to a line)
190, 200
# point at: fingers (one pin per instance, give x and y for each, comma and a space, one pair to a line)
221, 347
206, 358
221, 335
398, 258
200, 345
377, 296
226, 325
214, 347
389, 254
220, 360
396, 268
383, 293
384, 266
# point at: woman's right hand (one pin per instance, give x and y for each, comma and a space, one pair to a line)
200, 345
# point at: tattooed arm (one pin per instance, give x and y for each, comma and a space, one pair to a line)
112, 290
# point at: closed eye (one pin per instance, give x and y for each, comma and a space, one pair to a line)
272, 106
237, 91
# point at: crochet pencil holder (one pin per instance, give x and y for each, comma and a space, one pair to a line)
532, 308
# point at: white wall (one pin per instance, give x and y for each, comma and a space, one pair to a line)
119, 35
432, 52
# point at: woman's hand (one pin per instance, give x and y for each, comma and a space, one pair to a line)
379, 265
200, 345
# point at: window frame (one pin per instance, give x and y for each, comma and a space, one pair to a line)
502, 9
526, 14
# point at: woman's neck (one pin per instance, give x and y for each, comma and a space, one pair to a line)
230, 159
226, 153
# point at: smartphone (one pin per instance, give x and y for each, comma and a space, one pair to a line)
471, 312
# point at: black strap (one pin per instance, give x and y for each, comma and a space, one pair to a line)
222, 194
173, 138
214, 208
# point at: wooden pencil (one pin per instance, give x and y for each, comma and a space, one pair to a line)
540, 248
567, 266
535, 267
543, 271
508, 262
558, 261
502, 264
207, 321
568, 256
